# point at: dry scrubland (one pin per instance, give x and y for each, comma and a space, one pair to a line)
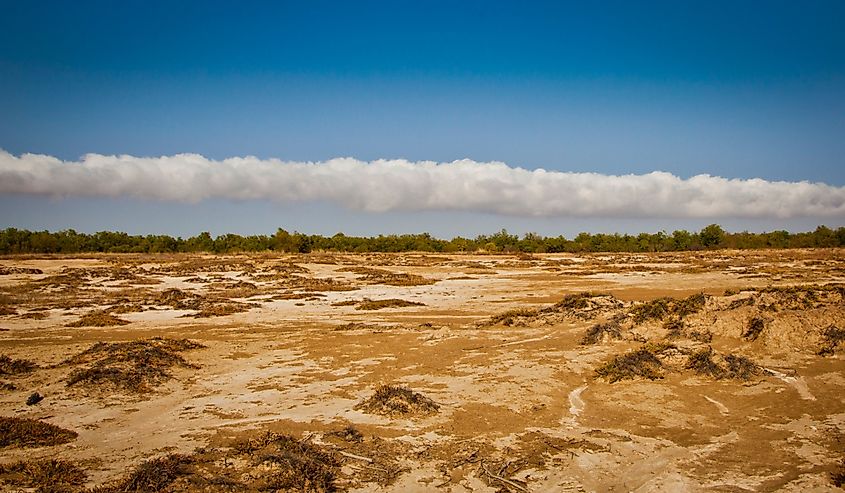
409, 372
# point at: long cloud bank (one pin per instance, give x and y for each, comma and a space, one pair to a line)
399, 185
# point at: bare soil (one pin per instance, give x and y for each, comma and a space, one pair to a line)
694, 371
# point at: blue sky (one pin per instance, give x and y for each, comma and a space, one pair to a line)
733, 89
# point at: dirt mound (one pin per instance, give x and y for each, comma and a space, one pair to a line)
45, 475
135, 366
25, 432
580, 306
177, 299
394, 400
10, 366
98, 318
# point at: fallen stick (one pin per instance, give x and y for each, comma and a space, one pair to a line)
358, 457
504, 480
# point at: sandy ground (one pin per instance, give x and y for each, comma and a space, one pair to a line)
521, 407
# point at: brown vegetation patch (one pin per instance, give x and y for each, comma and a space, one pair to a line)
832, 338
582, 306
11, 366
152, 476
676, 328
222, 309
7, 271
602, 332
45, 475
134, 366
754, 328
388, 303
292, 465
660, 308
35, 315
640, 363
837, 476
370, 275
98, 318
25, 432
394, 400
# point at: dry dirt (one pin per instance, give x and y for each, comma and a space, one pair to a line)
638, 382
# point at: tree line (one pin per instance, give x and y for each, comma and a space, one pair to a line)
15, 241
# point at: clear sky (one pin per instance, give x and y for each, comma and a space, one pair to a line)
731, 89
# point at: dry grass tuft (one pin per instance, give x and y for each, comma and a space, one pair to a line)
510, 317
701, 362
45, 475
294, 465
707, 363
348, 434
754, 328
741, 368
135, 366
98, 318
394, 400
832, 338
660, 308
389, 303
837, 476
610, 330
25, 432
222, 309
651, 310
10, 366
640, 363
152, 476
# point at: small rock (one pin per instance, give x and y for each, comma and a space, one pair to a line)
34, 398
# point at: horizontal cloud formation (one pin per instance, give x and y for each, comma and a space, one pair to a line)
399, 185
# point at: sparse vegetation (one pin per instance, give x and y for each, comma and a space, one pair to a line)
741, 368
704, 362
296, 465
25, 432
640, 363
394, 400
651, 310
11, 366
688, 306
754, 328
837, 476
349, 434
510, 317
152, 476
221, 309
610, 330
98, 318
45, 475
660, 308
389, 303
135, 366
832, 338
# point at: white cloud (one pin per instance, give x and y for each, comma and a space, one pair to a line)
399, 185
